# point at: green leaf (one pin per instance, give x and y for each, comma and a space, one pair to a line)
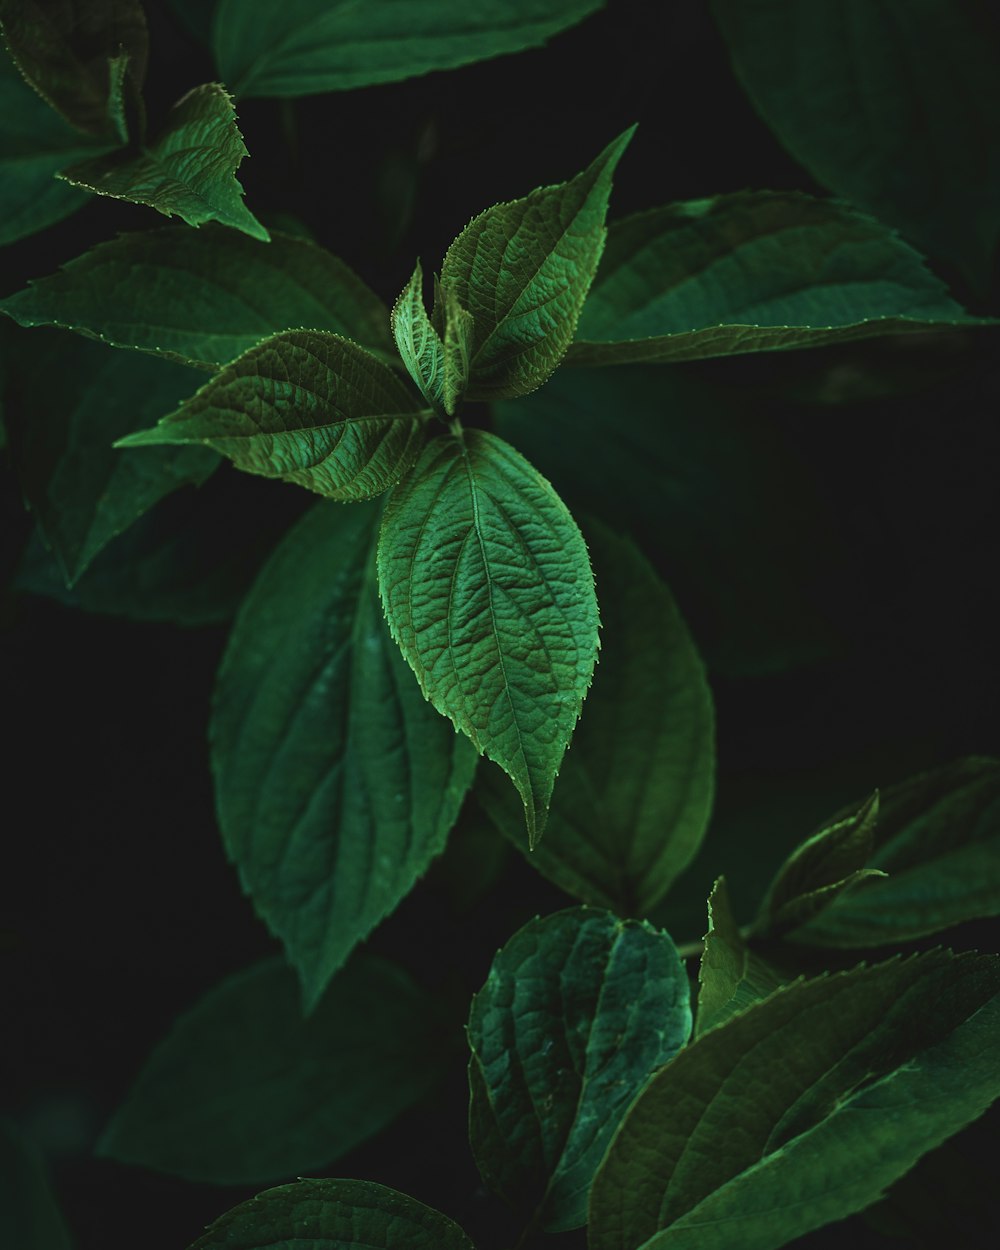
308, 407
218, 293
488, 590
309, 46
802, 1108
417, 341
29, 1216
67, 403
578, 1009
332, 1215
243, 1090
938, 838
336, 784
893, 105
730, 976
65, 51
634, 794
189, 172
754, 271
459, 331
522, 270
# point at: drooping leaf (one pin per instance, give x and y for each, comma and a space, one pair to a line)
218, 293
522, 270
188, 172
67, 403
634, 793
893, 105
307, 46
243, 1090
418, 343
754, 271
65, 50
336, 783
578, 1009
938, 839
843, 1082
29, 1216
308, 407
488, 590
730, 976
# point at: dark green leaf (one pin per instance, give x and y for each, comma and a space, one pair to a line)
190, 170
802, 1108
754, 271
68, 402
333, 1215
634, 793
417, 341
336, 783
309, 46
65, 50
894, 105
308, 407
522, 270
578, 1009
29, 1216
938, 838
244, 1090
217, 294
730, 976
488, 591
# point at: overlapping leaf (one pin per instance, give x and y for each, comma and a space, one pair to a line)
29, 1216
303, 47
523, 270
578, 1009
754, 271
218, 293
634, 793
802, 1108
308, 407
730, 976
488, 590
336, 783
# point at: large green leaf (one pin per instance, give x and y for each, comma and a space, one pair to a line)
243, 1090
188, 172
754, 271
488, 591
302, 47
523, 270
336, 783
333, 1215
29, 1216
67, 403
938, 838
217, 293
308, 407
634, 793
578, 1009
730, 976
894, 105
803, 1108
68, 51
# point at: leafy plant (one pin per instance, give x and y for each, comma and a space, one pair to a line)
535, 470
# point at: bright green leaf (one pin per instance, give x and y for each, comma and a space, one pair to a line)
578, 1009
523, 270
29, 1216
459, 332
67, 403
754, 271
218, 293
336, 783
938, 838
417, 341
188, 172
730, 976
303, 47
802, 1108
488, 590
308, 407
894, 105
243, 1090
634, 793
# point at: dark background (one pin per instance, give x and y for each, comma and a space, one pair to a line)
121, 908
